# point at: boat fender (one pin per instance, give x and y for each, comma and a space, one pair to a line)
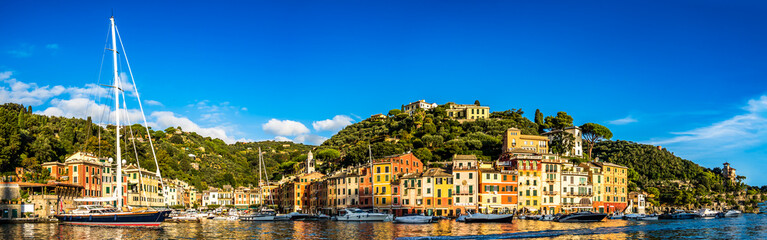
90, 218
115, 217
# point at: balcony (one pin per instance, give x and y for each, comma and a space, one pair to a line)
575, 173
464, 167
549, 180
550, 193
463, 193
577, 205
579, 194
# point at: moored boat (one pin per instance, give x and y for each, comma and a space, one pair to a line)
108, 216
582, 217
414, 218
729, 214
356, 214
706, 213
479, 218
678, 214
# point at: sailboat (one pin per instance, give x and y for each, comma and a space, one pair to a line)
105, 215
263, 214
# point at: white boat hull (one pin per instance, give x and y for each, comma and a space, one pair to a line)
413, 219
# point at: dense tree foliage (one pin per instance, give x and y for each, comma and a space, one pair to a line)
671, 179
430, 134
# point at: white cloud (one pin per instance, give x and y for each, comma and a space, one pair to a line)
337, 123
26, 93
282, 139
741, 131
310, 139
164, 119
623, 121
153, 103
284, 127
52, 46
83, 108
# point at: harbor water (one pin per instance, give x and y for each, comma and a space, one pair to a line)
749, 226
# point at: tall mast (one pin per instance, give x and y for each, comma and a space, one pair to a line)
372, 184
117, 118
260, 186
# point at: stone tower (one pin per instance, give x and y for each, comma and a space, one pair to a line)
309, 162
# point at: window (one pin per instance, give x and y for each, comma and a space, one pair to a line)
457, 176
75, 169
378, 169
470, 175
386, 169
471, 189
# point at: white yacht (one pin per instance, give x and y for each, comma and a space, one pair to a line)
729, 214
706, 213
356, 214
414, 218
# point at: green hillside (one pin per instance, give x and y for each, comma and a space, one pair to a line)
28, 140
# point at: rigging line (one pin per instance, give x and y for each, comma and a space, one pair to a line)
141, 107
98, 80
135, 151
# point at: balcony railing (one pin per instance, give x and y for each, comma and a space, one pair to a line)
465, 167
575, 173
579, 194
550, 193
569, 204
464, 193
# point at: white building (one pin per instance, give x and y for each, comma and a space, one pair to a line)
210, 197
577, 149
422, 104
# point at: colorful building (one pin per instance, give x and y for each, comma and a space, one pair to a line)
437, 192
466, 183
514, 140
386, 171
552, 166
616, 192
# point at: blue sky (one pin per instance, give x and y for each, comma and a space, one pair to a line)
688, 75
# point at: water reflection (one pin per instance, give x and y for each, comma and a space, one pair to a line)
748, 227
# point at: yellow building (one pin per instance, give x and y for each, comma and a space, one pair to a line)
530, 182
467, 111
386, 192
143, 188
515, 140
615, 186
437, 192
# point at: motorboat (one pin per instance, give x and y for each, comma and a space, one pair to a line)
549, 217
356, 214
480, 217
296, 216
729, 214
706, 213
414, 218
582, 217
678, 214
633, 216
616, 216
189, 215
648, 218
461, 218
265, 214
